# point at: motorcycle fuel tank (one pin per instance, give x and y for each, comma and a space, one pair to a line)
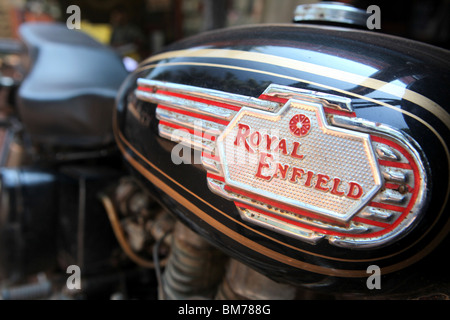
306, 152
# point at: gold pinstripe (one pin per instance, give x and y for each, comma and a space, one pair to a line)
355, 79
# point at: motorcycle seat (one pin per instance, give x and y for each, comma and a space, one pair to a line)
67, 97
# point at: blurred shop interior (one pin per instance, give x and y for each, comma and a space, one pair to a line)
139, 28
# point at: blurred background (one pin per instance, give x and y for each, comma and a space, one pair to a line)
142, 27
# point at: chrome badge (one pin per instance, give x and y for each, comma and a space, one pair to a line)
298, 162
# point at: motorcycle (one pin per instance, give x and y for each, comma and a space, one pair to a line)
298, 161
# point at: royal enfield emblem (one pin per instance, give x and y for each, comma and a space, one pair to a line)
330, 173
298, 162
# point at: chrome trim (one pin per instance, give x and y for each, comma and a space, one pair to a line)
209, 94
328, 100
377, 214
350, 228
210, 128
211, 165
218, 188
186, 105
192, 141
395, 175
280, 227
329, 11
416, 153
391, 196
386, 153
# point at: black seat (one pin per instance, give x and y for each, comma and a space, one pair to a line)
67, 98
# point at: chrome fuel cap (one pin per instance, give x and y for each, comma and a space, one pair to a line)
329, 11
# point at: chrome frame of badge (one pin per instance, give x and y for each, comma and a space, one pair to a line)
328, 100
219, 120
204, 93
419, 157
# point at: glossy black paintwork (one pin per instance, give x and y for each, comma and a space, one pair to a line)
415, 66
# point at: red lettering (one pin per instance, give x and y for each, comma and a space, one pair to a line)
334, 190
309, 177
353, 186
294, 153
243, 133
269, 141
282, 145
258, 139
262, 164
297, 173
282, 169
321, 180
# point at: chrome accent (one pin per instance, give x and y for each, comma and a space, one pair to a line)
336, 12
391, 196
298, 232
387, 153
280, 226
190, 141
327, 100
377, 214
211, 165
186, 105
207, 127
204, 93
395, 175
350, 228
218, 188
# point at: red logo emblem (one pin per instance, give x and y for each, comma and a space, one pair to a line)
300, 125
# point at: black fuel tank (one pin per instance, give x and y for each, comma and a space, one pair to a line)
314, 152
